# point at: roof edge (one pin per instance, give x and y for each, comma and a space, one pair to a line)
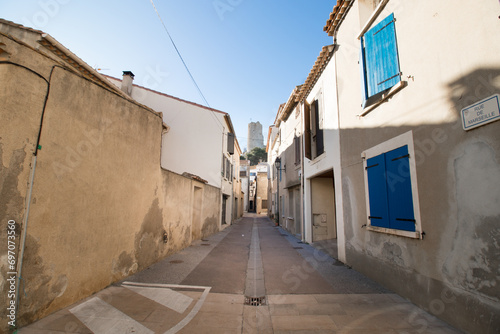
169, 96
337, 16
317, 70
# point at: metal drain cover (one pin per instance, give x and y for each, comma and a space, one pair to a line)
205, 244
176, 261
298, 248
255, 301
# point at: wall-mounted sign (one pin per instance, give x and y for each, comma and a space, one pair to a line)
481, 113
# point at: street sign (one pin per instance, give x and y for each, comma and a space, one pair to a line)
481, 113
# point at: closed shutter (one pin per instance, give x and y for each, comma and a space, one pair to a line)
377, 191
296, 143
230, 143
307, 130
399, 191
381, 57
320, 146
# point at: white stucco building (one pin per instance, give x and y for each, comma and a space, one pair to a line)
199, 141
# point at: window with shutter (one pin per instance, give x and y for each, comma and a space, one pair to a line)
296, 143
320, 147
389, 190
379, 61
307, 131
314, 145
230, 143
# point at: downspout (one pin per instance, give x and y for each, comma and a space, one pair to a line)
30, 189
223, 163
25, 229
302, 156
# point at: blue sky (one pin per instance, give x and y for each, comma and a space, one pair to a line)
246, 55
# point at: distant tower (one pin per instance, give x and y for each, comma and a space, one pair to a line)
255, 137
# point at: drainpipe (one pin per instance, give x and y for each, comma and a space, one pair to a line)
30, 189
302, 156
25, 230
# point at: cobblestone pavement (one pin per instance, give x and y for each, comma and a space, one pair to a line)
252, 277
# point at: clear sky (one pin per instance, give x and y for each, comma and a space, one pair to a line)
245, 55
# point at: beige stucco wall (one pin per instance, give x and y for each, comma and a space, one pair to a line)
456, 265
261, 192
102, 207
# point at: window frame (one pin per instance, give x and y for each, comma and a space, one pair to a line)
369, 102
387, 146
314, 134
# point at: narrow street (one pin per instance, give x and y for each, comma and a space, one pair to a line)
252, 277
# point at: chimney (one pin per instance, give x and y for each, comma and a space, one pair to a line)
128, 78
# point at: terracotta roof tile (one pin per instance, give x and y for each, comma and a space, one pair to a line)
337, 15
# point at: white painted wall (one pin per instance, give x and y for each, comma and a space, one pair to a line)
448, 52
325, 90
194, 142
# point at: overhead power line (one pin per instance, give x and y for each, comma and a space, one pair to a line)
183, 62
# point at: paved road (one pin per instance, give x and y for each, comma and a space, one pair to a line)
252, 277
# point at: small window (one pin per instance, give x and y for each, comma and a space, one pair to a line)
314, 137
391, 188
379, 61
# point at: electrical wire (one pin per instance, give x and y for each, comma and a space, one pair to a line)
185, 65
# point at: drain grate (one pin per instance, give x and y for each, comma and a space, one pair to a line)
176, 261
205, 244
298, 248
255, 301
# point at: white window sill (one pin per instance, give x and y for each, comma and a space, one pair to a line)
387, 95
401, 233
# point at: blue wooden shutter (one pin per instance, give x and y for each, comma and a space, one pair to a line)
381, 55
377, 191
362, 67
399, 193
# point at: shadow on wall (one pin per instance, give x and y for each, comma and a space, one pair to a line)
459, 191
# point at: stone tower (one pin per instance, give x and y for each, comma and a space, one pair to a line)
255, 137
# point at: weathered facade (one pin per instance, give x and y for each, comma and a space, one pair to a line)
238, 191
439, 247
261, 191
401, 141
286, 156
81, 178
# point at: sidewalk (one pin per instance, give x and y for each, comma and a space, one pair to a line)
252, 277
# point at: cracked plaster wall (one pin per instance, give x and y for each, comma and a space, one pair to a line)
101, 207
